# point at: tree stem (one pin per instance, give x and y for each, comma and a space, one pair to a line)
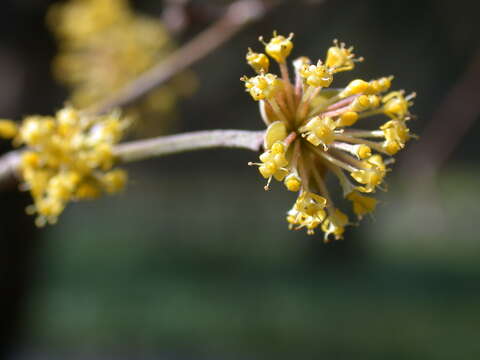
191, 141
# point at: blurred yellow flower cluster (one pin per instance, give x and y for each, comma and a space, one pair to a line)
309, 136
104, 44
69, 157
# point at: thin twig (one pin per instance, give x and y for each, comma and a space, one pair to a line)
197, 140
8, 166
174, 15
236, 16
157, 147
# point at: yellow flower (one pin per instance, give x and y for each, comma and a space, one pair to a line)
334, 225
396, 104
316, 75
309, 134
362, 205
273, 162
262, 86
348, 118
381, 85
371, 173
308, 211
319, 130
258, 61
293, 182
279, 47
114, 181
340, 58
396, 134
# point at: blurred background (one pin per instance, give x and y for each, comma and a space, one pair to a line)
195, 261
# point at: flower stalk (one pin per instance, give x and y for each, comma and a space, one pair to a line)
191, 141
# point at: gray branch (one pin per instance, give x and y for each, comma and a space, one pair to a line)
166, 145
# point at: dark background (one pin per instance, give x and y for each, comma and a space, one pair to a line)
194, 260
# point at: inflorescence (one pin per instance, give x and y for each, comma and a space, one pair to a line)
309, 132
69, 157
104, 45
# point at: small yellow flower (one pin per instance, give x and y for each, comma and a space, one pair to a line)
263, 86
293, 182
114, 181
381, 85
364, 102
334, 225
357, 86
340, 58
362, 151
49, 208
396, 104
8, 129
62, 185
371, 173
279, 46
308, 211
317, 75
362, 205
348, 118
258, 61
319, 131
396, 134
273, 161
36, 130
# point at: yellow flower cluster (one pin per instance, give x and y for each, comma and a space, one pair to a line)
308, 132
103, 45
69, 157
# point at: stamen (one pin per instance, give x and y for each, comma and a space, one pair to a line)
290, 138
267, 186
276, 109
263, 112
287, 86
322, 187
348, 159
374, 145
364, 114
305, 101
364, 133
345, 182
303, 172
342, 103
281, 101
335, 112
334, 160
298, 64
361, 151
